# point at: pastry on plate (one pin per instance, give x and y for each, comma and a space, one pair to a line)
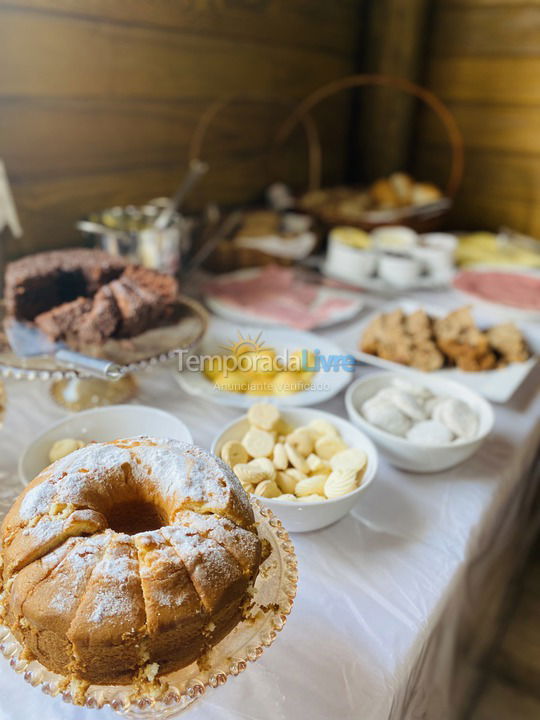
127, 560
429, 344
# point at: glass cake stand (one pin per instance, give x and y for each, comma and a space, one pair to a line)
76, 391
272, 598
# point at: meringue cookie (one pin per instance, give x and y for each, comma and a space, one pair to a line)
386, 416
409, 405
430, 432
411, 388
432, 402
458, 417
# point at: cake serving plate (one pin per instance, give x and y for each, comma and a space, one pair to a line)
76, 391
271, 602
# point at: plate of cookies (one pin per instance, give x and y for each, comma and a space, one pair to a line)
309, 466
464, 344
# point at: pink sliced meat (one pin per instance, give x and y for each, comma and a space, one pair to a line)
277, 294
513, 289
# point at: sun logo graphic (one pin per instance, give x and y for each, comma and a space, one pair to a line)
246, 344
250, 354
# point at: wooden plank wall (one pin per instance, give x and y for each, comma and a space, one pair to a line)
393, 45
484, 60
98, 98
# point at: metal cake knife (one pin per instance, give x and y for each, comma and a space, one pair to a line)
28, 341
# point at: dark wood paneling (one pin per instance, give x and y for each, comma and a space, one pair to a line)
499, 188
506, 128
317, 24
58, 56
77, 137
502, 29
394, 41
484, 61
98, 100
501, 80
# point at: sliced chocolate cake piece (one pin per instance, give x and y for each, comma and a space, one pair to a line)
103, 320
39, 282
63, 320
160, 284
137, 308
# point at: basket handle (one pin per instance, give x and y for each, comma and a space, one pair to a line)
352, 81
195, 147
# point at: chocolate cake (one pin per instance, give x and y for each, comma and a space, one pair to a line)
85, 297
136, 305
39, 282
102, 320
61, 321
146, 298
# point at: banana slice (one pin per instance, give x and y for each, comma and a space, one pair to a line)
64, 447
281, 461
311, 499
263, 416
287, 497
282, 428
317, 464
286, 481
322, 427
296, 460
297, 474
264, 465
249, 474
234, 453
313, 485
340, 482
301, 440
268, 489
248, 487
258, 443
350, 459
329, 445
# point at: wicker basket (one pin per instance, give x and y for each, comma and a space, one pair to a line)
419, 218
228, 257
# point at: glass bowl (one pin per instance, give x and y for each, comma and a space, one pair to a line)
272, 598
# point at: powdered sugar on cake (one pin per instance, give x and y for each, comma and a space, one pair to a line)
112, 576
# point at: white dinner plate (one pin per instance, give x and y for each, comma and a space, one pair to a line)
238, 314
496, 385
326, 383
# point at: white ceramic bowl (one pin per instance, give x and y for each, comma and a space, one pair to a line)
412, 456
394, 237
101, 425
434, 260
300, 516
349, 262
399, 270
444, 241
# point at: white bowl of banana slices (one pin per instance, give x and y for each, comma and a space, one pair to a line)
307, 465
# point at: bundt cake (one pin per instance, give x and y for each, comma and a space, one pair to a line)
128, 559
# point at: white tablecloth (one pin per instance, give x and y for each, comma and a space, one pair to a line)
386, 598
